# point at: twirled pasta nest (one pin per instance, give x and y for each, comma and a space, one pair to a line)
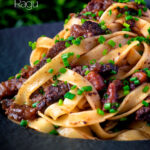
84, 110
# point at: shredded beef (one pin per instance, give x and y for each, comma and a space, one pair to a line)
131, 23
19, 112
96, 80
143, 114
141, 76
112, 96
87, 29
57, 48
54, 93
9, 88
95, 6
104, 70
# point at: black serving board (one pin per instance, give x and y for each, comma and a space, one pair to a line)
14, 54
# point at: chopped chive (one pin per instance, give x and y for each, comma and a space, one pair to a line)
65, 82
133, 79
43, 55
79, 92
83, 20
112, 110
87, 72
112, 43
53, 132
86, 88
73, 87
62, 70
100, 13
148, 30
101, 63
113, 72
126, 35
18, 76
23, 123
125, 82
48, 60
78, 56
69, 95
104, 52
119, 15
36, 62
123, 119
25, 67
136, 19
126, 25
12, 77
105, 96
51, 70
32, 45
145, 9
148, 73
136, 82
126, 88
110, 12
126, 29
145, 89
101, 39
60, 102
126, 92
107, 106
128, 18
111, 62
145, 103
100, 112
93, 61
70, 38
84, 67
139, 12
120, 45
35, 104
67, 44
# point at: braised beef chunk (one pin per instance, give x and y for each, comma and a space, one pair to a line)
9, 88
143, 114
79, 70
96, 5
131, 23
87, 29
19, 112
106, 69
96, 80
54, 93
111, 95
141, 76
57, 48
6, 103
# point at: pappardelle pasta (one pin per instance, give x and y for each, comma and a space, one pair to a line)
92, 80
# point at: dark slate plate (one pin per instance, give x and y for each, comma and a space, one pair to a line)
14, 53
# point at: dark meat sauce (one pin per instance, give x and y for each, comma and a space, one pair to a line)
87, 29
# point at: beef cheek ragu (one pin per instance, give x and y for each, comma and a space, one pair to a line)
87, 29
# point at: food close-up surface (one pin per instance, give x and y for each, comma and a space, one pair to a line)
89, 81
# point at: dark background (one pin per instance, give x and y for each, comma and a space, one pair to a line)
47, 11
